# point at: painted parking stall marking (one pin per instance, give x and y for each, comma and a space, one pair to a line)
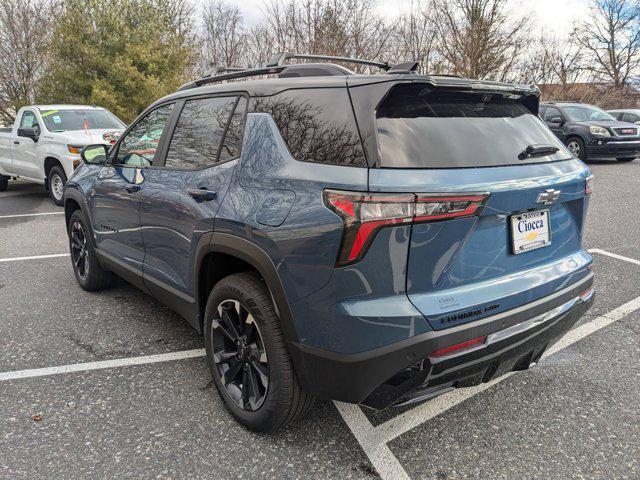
373, 440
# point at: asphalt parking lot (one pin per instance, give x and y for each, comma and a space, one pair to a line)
99, 385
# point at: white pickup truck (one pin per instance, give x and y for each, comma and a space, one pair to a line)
45, 142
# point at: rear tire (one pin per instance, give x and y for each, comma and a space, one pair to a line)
625, 160
577, 147
56, 181
246, 347
4, 183
86, 267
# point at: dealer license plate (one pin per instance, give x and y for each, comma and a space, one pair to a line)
530, 231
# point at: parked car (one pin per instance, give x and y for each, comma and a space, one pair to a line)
375, 239
629, 115
44, 144
590, 132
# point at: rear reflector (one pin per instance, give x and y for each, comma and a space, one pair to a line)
586, 294
459, 347
363, 214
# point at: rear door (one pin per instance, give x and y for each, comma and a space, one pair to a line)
524, 243
181, 196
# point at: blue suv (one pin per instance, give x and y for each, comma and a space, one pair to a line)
375, 239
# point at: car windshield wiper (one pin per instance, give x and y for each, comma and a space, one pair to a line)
537, 151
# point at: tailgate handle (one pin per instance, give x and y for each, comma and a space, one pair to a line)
202, 194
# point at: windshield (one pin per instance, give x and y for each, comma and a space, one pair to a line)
582, 113
65, 120
420, 127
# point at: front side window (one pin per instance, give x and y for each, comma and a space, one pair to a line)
552, 113
630, 117
81, 119
199, 133
317, 125
28, 120
423, 127
584, 113
140, 145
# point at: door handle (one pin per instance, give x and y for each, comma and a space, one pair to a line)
15, 142
133, 188
202, 194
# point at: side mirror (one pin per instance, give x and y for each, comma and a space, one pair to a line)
94, 154
557, 120
32, 133
638, 122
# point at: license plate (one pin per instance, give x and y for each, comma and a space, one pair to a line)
530, 231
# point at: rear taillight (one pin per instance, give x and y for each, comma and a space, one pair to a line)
588, 185
363, 214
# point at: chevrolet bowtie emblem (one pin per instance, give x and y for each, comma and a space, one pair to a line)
548, 196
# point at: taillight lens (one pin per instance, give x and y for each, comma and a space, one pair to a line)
363, 214
588, 185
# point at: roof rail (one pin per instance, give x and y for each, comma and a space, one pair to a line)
280, 58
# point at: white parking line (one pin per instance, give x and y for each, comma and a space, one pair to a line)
118, 362
30, 215
35, 257
374, 440
614, 255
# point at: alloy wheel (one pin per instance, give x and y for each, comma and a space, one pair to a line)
57, 186
79, 251
239, 355
574, 147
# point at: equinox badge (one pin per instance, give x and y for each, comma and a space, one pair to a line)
548, 196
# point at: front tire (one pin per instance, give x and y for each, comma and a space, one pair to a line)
248, 356
4, 183
577, 147
625, 160
86, 267
56, 180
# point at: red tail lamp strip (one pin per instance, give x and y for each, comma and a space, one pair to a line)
459, 347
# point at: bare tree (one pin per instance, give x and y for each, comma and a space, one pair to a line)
611, 37
224, 39
554, 60
481, 38
24, 35
416, 37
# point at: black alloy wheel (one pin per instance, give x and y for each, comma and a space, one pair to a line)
79, 251
239, 355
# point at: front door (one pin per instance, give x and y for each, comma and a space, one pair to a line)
554, 120
181, 197
24, 150
115, 201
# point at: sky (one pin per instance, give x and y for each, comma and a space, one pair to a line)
555, 16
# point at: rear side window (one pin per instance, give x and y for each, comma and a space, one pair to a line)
317, 125
420, 127
199, 133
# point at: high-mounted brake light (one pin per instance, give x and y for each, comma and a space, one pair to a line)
363, 214
588, 185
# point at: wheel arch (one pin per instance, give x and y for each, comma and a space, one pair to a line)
74, 201
228, 254
49, 163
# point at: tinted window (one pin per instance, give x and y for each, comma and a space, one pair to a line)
28, 119
423, 128
64, 120
199, 132
233, 138
551, 113
140, 145
582, 113
629, 117
317, 125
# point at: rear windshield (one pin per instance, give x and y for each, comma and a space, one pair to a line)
420, 127
65, 120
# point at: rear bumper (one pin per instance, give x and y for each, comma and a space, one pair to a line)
614, 149
403, 371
